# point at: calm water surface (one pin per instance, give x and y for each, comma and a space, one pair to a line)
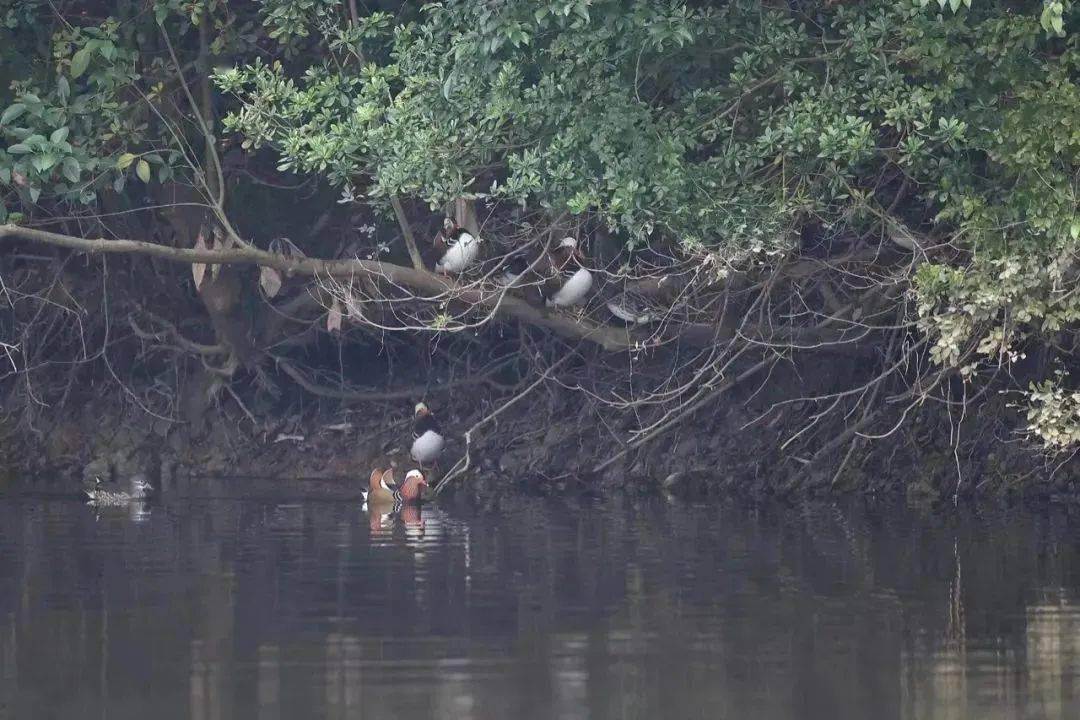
224, 608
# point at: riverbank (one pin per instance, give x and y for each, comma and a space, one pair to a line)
538, 447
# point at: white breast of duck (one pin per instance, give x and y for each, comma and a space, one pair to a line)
428, 446
428, 442
462, 249
574, 289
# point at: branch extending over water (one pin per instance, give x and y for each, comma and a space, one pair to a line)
610, 339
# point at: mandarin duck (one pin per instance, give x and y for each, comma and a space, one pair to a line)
383, 490
428, 442
456, 249
514, 268
569, 281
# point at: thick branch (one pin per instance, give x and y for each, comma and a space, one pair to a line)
609, 338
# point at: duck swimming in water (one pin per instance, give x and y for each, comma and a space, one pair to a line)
383, 490
103, 495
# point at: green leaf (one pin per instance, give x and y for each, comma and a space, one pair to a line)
1058, 24
59, 135
3, 212
12, 113
79, 62
118, 183
63, 88
954, 5
43, 163
124, 161
35, 193
19, 149
71, 169
142, 169
5, 175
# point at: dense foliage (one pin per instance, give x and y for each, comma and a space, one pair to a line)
731, 132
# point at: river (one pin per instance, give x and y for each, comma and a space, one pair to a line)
208, 608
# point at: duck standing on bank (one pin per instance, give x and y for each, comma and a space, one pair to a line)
428, 442
456, 249
570, 281
103, 494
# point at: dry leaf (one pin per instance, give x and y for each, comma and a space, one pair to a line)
269, 281
333, 317
198, 270
354, 308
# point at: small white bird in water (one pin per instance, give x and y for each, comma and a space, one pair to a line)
428, 442
101, 495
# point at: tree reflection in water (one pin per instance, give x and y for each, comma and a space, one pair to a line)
220, 609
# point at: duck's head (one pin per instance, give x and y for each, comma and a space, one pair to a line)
568, 247
414, 484
421, 409
448, 225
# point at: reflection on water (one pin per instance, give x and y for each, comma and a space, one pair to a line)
214, 609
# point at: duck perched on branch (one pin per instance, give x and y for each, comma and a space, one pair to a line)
513, 270
456, 249
571, 281
633, 308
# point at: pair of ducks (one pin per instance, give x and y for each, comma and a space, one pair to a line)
561, 275
428, 444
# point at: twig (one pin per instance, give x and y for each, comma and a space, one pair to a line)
687, 410
464, 462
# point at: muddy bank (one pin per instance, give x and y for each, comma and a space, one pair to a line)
544, 444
